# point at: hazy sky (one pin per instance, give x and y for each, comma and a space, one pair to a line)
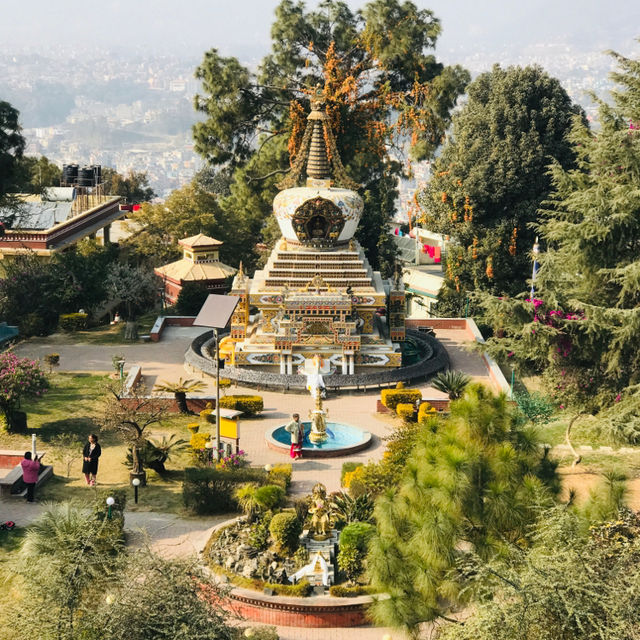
241, 27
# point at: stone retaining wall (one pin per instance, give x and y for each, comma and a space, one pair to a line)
169, 321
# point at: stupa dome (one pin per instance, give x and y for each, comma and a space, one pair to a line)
327, 210
303, 211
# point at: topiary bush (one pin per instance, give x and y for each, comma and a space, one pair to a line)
426, 411
392, 397
73, 321
348, 467
280, 474
209, 490
405, 411
270, 496
285, 530
249, 405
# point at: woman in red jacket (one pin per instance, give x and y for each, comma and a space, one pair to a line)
30, 471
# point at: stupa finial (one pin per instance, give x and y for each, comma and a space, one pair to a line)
318, 152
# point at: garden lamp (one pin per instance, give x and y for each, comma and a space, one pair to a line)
110, 502
136, 483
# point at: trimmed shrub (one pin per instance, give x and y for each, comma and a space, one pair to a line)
270, 496
348, 467
249, 405
300, 590
33, 324
209, 490
285, 530
354, 540
372, 478
405, 411
199, 440
391, 398
426, 411
280, 474
400, 385
357, 534
73, 321
342, 591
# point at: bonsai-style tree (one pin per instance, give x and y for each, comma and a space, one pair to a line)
129, 416
19, 378
180, 390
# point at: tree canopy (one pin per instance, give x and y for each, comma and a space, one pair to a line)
492, 178
472, 482
582, 326
12, 145
380, 81
134, 187
567, 585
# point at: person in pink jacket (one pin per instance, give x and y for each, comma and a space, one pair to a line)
30, 471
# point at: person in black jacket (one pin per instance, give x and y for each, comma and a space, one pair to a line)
90, 455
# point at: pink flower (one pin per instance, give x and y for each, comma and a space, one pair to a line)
562, 406
618, 398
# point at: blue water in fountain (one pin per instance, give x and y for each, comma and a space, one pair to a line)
340, 435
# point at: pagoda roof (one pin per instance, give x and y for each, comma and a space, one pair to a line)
200, 240
186, 270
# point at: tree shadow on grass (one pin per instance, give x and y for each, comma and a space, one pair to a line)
81, 427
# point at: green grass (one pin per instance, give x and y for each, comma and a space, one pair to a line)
11, 590
73, 406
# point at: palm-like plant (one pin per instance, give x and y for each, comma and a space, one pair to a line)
246, 497
180, 390
346, 509
453, 383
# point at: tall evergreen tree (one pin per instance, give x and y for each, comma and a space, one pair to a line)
492, 177
380, 82
471, 485
582, 327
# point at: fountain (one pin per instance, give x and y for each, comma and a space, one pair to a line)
313, 370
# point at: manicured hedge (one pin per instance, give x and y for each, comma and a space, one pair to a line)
405, 410
285, 530
249, 405
210, 490
280, 474
340, 591
426, 411
348, 467
73, 321
392, 397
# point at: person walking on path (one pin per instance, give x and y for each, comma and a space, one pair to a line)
90, 455
296, 430
30, 471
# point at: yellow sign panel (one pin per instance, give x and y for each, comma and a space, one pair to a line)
229, 428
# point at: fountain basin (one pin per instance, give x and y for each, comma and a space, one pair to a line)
343, 440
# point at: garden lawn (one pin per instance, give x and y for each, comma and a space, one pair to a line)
72, 406
10, 589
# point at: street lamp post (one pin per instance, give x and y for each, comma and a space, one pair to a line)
216, 313
136, 483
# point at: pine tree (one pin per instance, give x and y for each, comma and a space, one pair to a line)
471, 484
582, 327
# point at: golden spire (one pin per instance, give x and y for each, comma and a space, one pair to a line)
313, 153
